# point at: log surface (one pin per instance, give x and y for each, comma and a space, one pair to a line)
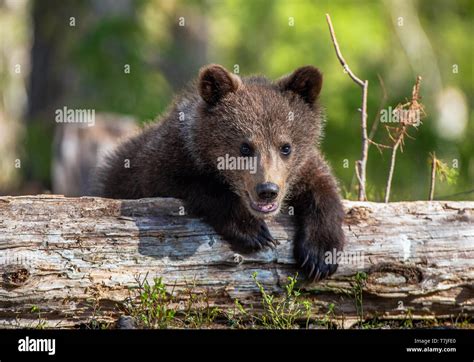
66, 256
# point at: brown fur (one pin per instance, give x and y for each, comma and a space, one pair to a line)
178, 158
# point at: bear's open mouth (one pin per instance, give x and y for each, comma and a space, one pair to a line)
264, 207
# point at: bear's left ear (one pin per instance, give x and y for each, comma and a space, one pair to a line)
305, 81
215, 82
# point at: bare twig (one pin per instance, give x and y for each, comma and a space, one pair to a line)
357, 168
392, 167
383, 101
379, 145
376, 122
339, 54
362, 163
433, 175
410, 119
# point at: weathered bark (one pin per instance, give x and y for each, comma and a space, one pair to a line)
68, 256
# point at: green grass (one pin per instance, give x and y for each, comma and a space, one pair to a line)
357, 293
153, 306
277, 312
153, 309
199, 313
41, 323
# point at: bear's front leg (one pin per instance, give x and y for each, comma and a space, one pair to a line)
225, 212
319, 216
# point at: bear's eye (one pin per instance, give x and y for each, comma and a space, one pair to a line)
285, 149
245, 149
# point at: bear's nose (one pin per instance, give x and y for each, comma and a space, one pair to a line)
267, 191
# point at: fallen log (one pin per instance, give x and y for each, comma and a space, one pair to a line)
70, 257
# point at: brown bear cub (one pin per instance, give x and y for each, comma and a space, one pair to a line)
203, 150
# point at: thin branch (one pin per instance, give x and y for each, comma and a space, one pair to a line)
362, 163
433, 175
383, 101
392, 167
339, 54
365, 144
401, 132
379, 145
357, 167
376, 122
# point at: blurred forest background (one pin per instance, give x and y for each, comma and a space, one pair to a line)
126, 59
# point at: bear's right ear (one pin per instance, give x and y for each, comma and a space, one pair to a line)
215, 82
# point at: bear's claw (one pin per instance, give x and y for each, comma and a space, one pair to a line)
255, 236
312, 261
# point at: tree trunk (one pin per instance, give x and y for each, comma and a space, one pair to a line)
71, 257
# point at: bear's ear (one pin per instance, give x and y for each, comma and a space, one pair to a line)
305, 81
215, 82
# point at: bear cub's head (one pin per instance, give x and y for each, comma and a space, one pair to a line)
257, 133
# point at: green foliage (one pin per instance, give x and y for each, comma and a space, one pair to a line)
408, 321
329, 318
198, 312
41, 322
102, 55
154, 306
357, 292
95, 320
462, 320
278, 312
37, 147
446, 173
